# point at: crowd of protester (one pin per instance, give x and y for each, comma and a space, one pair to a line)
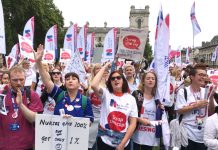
120, 104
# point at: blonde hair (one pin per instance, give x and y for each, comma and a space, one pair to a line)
142, 85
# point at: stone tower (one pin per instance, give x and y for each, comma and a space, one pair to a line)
138, 18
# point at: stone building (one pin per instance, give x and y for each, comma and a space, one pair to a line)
138, 18
204, 52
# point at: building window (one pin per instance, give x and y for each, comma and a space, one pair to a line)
99, 39
139, 23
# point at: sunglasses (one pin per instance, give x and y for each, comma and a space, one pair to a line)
57, 73
117, 77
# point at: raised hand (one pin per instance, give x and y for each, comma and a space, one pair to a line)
39, 54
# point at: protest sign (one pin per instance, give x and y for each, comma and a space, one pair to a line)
76, 65
58, 133
132, 44
26, 49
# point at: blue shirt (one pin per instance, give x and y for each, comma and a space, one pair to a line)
76, 104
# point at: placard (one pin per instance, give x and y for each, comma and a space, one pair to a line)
58, 133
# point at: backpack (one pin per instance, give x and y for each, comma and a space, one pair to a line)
84, 99
27, 91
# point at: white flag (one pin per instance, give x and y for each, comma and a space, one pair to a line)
81, 41
195, 25
2, 31
70, 39
214, 56
51, 40
28, 31
89, 48
109, 46
26, 49
162, 62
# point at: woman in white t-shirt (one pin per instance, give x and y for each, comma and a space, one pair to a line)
144, 137
118, 111
129, 72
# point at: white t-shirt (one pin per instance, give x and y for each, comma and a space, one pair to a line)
133, 86
49, 106
145, 135
30, 76
194, 120
115, 112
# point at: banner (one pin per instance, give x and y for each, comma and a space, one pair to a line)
109, 49
70, 39
161, 57
2, 31
26, 49
195, 26
57, 133
76, 65
51, 40
65, 55
132, 44
28, 31
81, 41
10, 61
215, 54
89, 48
48, 56
15, 52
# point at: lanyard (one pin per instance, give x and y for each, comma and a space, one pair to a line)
15, 106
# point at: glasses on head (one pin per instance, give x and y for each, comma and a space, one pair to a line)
56, 73
117, 77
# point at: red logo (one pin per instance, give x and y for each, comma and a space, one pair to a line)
26, 47
171, 89
65, 55
117, 121
48, 56
214, 79
131, 42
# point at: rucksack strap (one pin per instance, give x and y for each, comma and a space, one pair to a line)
60, 96
84, 102
185, 95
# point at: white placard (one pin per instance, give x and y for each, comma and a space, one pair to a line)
132, 44
48, 56
2, 104
76, 65
58, 133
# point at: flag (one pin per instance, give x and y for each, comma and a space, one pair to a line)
26, 49
161, 57
89, 48
215, 54
70, 39
178, 58
28, 31
10, 61
187, 55
15, 52
2, 31
109, 46
195, 25
159, 21
51, 41
81, 41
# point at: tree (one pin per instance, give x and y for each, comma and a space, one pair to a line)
148, 51
17, 13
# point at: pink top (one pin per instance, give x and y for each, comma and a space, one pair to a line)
24, 137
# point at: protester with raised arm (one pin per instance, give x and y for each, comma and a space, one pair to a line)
69, 102
118, 111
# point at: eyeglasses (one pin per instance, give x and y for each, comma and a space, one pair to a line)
57, 73
202, 75
117, 77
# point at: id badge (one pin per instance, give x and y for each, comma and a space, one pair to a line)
14, 126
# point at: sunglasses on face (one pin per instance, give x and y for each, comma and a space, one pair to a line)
57, 73
117, 77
